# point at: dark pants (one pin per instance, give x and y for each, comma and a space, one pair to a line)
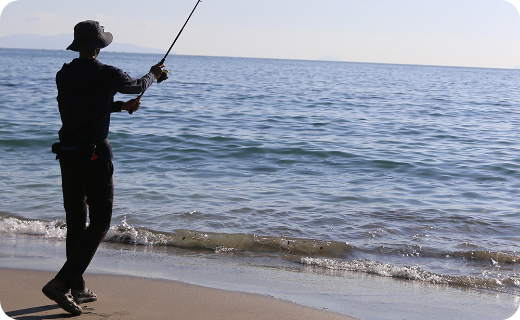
84, 183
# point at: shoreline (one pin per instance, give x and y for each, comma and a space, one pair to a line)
129, 298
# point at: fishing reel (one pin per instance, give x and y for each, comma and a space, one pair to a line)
164, 76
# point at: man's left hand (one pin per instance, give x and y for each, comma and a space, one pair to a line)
132, 104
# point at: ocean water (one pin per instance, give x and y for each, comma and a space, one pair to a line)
397, 171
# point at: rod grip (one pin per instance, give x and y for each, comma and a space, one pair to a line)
138, 98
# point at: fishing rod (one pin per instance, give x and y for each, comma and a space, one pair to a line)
164, 74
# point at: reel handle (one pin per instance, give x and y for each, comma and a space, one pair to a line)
164, 76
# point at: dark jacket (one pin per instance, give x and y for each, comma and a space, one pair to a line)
86, 90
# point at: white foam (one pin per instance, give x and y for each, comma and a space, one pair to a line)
374, 267
126, 233
34, 227
123, 233
222, 249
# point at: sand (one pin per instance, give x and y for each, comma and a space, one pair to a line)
129, 298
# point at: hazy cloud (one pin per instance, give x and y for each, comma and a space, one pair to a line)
125, 21
42, 17
105, 19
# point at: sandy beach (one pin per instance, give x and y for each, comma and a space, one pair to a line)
129, 298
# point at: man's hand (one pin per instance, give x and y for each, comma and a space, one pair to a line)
132, 104
156, 70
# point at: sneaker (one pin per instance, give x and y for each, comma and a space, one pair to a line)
63, 298
83, 296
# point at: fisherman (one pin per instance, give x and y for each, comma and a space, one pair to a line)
86, 89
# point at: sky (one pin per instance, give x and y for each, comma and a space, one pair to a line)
474, 33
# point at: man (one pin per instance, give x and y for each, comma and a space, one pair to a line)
86, 90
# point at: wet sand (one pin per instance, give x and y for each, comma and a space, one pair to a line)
129, 298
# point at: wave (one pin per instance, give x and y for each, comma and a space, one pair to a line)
219, 242
374, 267
227, 242
493, 257
10, 224
508, 284
311, 253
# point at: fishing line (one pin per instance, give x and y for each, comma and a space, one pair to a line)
164, 74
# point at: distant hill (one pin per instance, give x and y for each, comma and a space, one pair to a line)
61, 42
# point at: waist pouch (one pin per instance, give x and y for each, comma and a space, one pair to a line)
90, 151
76, 149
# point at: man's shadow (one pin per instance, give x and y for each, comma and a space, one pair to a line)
22, 314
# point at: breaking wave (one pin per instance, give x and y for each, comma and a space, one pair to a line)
219, 242
10, 224
510, 284
226, 242
318, 254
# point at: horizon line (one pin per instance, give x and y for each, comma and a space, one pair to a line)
288, 59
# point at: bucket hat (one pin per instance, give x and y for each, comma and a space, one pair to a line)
89, 35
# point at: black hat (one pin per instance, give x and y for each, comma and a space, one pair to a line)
89, 35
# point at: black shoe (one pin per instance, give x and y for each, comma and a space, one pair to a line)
83, 296
63, 298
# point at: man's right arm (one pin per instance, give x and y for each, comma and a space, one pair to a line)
126, 84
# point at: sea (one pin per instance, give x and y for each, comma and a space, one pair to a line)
359, 188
